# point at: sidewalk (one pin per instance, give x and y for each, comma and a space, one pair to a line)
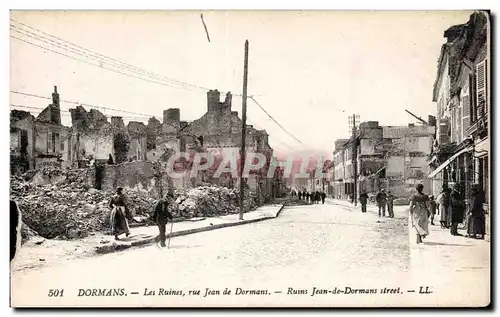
40, 252
453, 265
146, 235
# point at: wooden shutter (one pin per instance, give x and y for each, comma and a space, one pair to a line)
481, 88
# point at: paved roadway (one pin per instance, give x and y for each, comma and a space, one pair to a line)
324, 246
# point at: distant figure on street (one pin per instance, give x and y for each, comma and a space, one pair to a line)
419, 213
161, 215
119, 212
363, 199
381, 202
443, 201
457, 211
300, 195
476, 224
323, 197
432, 208
390, 204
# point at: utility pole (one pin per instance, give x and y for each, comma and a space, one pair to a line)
354, 159
243, 130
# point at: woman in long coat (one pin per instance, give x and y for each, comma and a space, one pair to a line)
118, 217
419, 213
444, 203
476, 223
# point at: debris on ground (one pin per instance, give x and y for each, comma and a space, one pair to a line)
60, 204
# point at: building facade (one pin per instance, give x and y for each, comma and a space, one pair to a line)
461, 154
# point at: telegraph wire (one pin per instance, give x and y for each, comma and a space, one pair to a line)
84, 104
122, 65
83, 61
274, 120
103, 58
101, 61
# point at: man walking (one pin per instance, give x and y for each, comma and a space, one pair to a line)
161, 216
363, 199
390, 204
457, 210
381, 202
323, 197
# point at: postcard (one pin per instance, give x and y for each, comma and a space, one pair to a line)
250, 158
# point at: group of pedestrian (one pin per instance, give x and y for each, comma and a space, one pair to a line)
450, 206
385, 201
452, 209
121, 215
312, 197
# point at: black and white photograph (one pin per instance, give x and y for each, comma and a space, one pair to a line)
250, 158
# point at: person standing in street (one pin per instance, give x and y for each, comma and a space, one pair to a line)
419, 213
476, 224
457, 210
363, 199
300, 195
119, 213
443, 208
390, 204
381, 202
432, 208
323, 197
161, 215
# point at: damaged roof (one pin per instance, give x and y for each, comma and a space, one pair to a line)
463, 42
399, 132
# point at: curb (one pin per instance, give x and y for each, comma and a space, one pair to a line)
104, 249
279, 211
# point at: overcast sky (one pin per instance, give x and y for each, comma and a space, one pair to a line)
309, 70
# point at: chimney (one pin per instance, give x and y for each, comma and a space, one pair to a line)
55, 109
55, 97
213, 101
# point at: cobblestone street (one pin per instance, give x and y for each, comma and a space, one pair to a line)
324, 246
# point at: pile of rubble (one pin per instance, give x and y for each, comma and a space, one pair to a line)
60, 204
208, 201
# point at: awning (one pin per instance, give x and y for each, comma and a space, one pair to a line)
434, 158
482, 148
448, 161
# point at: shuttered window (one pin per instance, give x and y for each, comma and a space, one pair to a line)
472, 100
481, 88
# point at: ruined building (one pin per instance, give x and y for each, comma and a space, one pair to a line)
92, 140
390, 157
40, 141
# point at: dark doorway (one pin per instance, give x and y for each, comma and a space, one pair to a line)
99, 176
24, 142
